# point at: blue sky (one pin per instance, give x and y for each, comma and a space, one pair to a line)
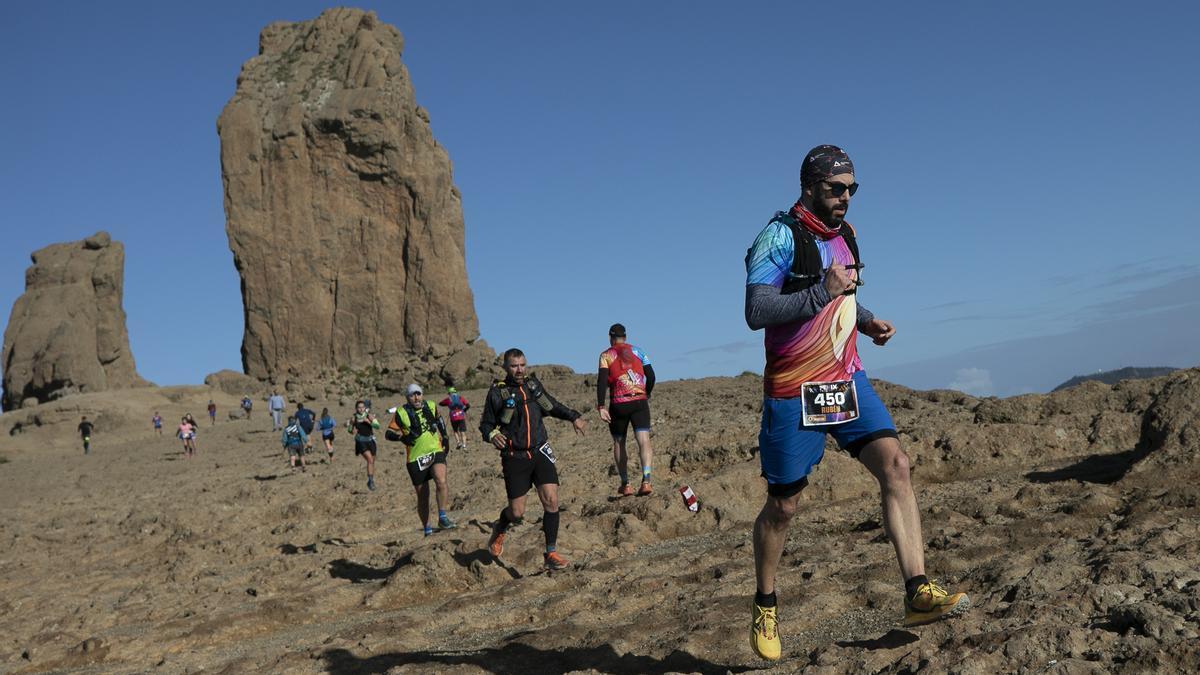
1027, 170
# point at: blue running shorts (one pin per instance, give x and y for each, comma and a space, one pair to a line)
788, 452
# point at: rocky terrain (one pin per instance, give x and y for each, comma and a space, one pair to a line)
1073, 519
66, 333
343, 218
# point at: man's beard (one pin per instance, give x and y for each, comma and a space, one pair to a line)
827, 216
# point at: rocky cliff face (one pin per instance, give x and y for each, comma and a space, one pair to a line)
67, 331
344, 222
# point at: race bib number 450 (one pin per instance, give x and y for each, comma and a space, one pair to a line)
828, 403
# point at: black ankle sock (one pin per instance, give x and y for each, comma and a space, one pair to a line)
910, 586
503, 523
764, 600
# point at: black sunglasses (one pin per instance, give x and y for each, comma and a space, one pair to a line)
838, 189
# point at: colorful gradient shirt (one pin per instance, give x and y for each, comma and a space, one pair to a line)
626, 372
820, 349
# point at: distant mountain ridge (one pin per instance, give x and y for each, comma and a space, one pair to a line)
1115, 376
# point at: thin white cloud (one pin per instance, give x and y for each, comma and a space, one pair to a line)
974, 381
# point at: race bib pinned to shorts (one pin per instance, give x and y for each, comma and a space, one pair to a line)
548, 452
828, 403
424, 462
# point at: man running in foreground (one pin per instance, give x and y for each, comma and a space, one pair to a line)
512, 422
424, 434
801, 278
625, 370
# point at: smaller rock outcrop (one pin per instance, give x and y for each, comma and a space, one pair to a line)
67, 331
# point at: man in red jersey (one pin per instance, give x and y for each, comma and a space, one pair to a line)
625, 371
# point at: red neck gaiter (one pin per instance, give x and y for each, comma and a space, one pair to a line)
812, 223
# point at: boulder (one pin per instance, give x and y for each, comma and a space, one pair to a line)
67, 331
235, 384
345, 224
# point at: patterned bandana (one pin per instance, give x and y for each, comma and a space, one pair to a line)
814, 224
822, 162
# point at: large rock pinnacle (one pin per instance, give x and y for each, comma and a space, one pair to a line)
67, 331
344, 222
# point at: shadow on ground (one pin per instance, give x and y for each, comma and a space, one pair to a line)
1105, 469
890, 640
515, 658
359, 573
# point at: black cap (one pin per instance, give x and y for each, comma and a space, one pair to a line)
616, 330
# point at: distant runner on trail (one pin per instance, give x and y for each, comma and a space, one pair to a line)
424, 434
802, 274
512, 422
327, 425
157, 422
212, 413
458, 406
247, 405
85, 432
187, 434
363, 425
625, 373
295, 441
307, 419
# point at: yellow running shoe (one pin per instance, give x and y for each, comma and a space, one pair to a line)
764, 633
931, 603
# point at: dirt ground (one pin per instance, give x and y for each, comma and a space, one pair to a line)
1072, 519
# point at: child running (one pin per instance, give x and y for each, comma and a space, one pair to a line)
157, 421
295, 441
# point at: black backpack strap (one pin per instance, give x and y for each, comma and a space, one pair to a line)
848, 236
806, 258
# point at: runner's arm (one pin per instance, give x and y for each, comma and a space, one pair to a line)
488, 421
561, 411
649, 370
601, 387
766, 306
865, 316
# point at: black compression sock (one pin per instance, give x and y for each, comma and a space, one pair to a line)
910, 586
764, 600
503, 523
550, 527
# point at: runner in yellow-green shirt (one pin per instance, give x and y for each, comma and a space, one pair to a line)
424, 434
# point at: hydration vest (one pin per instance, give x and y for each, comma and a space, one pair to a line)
508, 396
293, 434
806, 257
419, 423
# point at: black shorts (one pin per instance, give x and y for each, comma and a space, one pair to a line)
365, 446
329, 437
307, 429
458, 425
622, 414
524, 469
421, 471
